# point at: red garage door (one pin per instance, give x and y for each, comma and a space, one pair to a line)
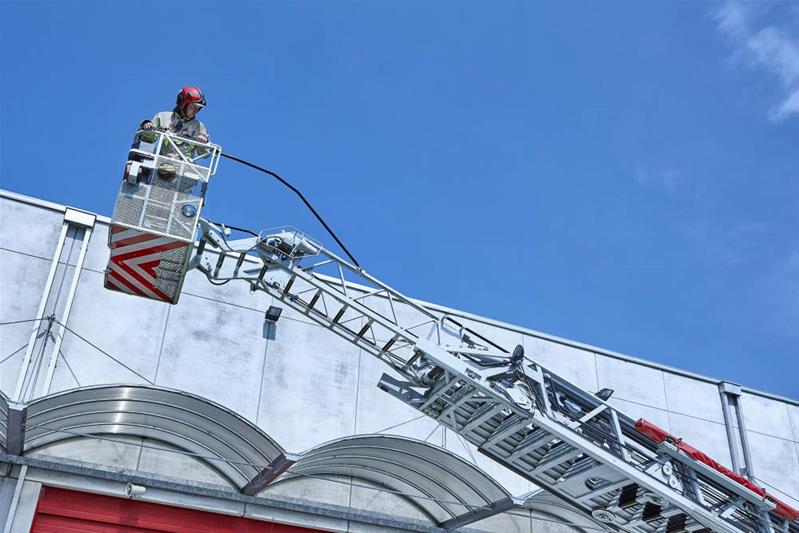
66, 511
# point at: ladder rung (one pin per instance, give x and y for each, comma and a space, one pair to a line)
466, 393
596, 493
240, 261
531, 442
434, 393
389, 344
262, 273
340, 313
364, 329
553, 459
509, 426
482, 414
289, 283
314, 299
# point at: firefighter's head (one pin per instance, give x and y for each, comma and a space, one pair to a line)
189, 102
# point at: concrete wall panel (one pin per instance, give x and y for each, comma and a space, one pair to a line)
772, 458
22, 279
234, 292
7, 486
659, 417
370, 497
128, 328
331, 490
766, 416
574, 364
97, 253
216, 351
693, 398
709, 437
309, 386
284, 516
176, 465
26, 508
41, 228
793, 418
552, 524
379, 412
360, 527
516, 522
512, 482
200, 503
632, 382
123, 454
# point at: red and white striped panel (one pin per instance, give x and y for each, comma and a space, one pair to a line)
135, 256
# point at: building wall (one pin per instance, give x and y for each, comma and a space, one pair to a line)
303, 385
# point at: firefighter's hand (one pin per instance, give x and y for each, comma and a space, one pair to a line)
202, 138
147, 125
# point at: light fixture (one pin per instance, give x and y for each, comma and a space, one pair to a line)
604, 394
273, 313
189, 211
132, 490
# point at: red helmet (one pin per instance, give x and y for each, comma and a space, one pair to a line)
190, 95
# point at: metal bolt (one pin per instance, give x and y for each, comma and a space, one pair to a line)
604, 516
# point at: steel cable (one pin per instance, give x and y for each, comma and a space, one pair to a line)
301, 196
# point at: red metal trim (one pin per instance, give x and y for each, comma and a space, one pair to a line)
658, 435
66, 511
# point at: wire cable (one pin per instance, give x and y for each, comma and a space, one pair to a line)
22, 321
302, 197
103, 351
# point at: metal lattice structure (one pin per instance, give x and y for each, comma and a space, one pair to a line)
567, 440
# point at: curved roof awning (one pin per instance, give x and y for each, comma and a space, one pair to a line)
225, 441
446, 488
451, 491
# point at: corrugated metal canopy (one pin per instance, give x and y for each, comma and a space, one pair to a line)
440, 483
233, 446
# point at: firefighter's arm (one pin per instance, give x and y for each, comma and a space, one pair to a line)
202, 136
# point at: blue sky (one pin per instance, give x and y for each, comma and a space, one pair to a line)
621, 174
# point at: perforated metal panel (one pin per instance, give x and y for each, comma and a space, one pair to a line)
157, 203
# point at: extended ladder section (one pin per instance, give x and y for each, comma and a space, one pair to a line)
569, 441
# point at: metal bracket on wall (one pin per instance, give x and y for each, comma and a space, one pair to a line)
76, 227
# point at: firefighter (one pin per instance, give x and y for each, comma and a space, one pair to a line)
182, 121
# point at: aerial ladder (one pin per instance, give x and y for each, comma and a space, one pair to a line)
629, 475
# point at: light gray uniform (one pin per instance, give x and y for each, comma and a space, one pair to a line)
172, 122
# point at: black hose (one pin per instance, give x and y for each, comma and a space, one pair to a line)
298, 193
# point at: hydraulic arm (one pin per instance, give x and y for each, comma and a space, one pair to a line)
569, 441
